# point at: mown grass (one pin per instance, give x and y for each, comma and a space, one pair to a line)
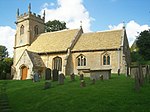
114, 95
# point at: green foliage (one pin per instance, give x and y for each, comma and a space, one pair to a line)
114, 95
55, 25
136, 57
5, 62
143, 43
3, 52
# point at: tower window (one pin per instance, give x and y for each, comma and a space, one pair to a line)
81, 60
36, 32
21, 30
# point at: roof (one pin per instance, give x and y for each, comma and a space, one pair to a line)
53, 41
36, 59
99, 40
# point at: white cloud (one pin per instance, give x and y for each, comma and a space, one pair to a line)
7, 36
70, 11
132, 28
45, 5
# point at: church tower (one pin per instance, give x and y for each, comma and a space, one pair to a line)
28, 27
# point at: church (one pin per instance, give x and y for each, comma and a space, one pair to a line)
68, 51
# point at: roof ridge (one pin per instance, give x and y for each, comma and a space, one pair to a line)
58, 31
104, 31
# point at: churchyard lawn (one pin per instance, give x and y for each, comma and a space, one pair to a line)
114, 95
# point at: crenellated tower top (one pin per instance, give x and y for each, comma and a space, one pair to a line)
29, 14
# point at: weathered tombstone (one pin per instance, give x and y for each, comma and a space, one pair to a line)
72, 77
137, 83
101, 77
118, 72
48, 74
61, 78
81, 77
55, 75
82, 83
141, 78
35, 77
47, 85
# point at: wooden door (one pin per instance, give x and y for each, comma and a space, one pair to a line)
24, 73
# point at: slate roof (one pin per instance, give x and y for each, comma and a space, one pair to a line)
99, 40
36, 59
53, 41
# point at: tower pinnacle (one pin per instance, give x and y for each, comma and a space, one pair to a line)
17, 12
44, 15
29, 8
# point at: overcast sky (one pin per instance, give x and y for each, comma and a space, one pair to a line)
96, 15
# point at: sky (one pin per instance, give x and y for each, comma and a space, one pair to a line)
96, 15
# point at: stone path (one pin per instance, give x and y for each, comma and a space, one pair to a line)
4, 104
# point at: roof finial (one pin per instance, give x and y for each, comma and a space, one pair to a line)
17, 12
29, 8
81, 24
123, 25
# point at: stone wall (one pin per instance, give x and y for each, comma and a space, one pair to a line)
94, 61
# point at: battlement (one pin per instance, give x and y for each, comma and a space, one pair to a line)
29, 14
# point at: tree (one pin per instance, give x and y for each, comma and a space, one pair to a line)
55, 25
143, 44
3, 52
5, 62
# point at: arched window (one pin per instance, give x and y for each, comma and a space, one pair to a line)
21, 30
57, 63
81, 60
106, 59
36, 32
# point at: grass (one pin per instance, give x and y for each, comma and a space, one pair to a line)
114, 95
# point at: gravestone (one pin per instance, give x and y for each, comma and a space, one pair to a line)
137, 81
101, 77
82, 83
47, 85
55, 75
61, 78
118, 72
81, 76
141, 77
48, 74
72, 77
35, 77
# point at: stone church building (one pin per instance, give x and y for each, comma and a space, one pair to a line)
68, 51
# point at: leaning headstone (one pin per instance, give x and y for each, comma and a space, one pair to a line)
61, 78
72, 77
36, 77
55, 75
82, 83
48, 74
81, 77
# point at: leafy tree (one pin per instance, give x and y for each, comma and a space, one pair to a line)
5, 62
143, 44
55, 25
3, 52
